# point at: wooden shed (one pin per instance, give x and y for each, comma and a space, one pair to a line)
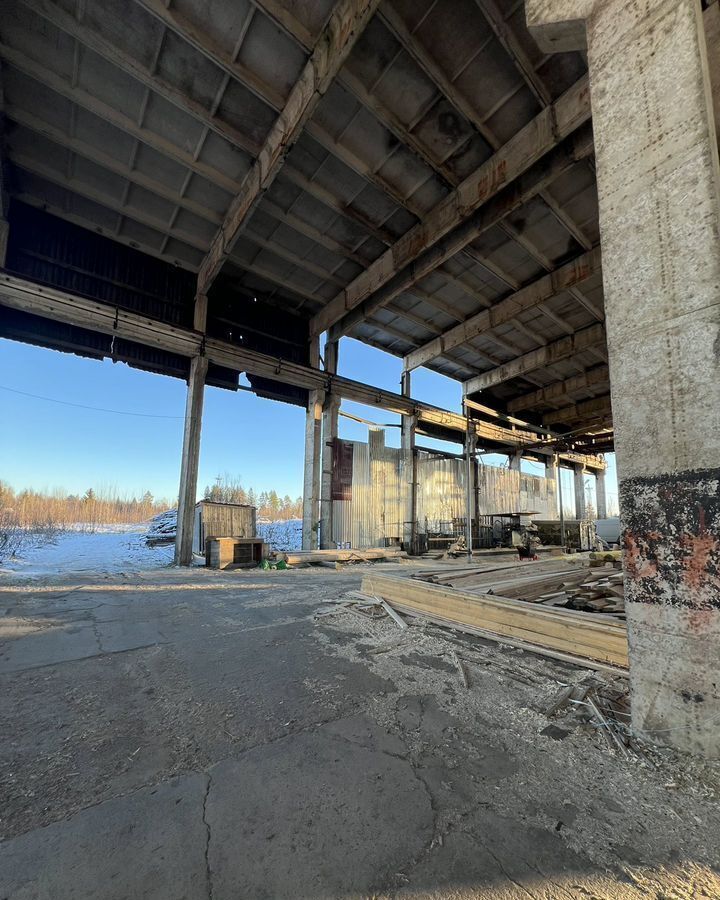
214, 519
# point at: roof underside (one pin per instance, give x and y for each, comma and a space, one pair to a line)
138, 119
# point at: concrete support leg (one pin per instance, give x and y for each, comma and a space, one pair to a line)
600, 495
331, 409
4, 232
580, 499
409, 473
190, 461
470, 445
658, 175
515, 461
552, 475
311, 472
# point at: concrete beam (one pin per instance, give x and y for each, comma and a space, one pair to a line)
536, 359
560, 391
540, 136
61, 306
658, 175
346, 24
584, 411
503, 311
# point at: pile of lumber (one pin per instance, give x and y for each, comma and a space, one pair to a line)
300, 557
578, 585
568, 634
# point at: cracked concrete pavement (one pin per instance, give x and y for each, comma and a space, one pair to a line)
195, 734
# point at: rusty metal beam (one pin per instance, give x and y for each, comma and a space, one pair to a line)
537, 359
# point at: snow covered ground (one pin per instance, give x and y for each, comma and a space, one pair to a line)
103, 552
111, 549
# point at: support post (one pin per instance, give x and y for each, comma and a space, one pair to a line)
658, 176
409, 471
470, 444
561, 506
600, 495
515, 461
580, 500
330, 414
551, 475
311, 472
190, 461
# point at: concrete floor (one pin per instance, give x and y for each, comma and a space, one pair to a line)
217, 735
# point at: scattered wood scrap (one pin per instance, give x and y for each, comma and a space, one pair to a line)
577, 636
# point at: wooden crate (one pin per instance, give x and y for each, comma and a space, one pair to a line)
231, 552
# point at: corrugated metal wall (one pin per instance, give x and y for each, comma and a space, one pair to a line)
375, 513
376, 509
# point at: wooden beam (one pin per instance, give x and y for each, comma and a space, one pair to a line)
60, 306
337, 39
537, 359
568, 631
506, 309
544, 133
560, 391
583, 411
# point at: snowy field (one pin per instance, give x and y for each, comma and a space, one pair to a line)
112, 549
102, 552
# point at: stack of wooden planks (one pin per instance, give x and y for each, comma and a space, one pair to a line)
578, 637
298, 557
553, 582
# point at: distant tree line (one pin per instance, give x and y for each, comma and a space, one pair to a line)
56, 509
270, 505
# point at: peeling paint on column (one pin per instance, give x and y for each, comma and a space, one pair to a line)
672, 539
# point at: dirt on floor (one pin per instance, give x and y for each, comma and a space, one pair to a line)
191, 734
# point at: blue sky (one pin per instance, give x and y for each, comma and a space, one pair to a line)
49, 445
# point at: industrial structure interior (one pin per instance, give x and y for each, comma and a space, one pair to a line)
521, 195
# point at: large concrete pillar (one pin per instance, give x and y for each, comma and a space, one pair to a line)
600, 494
409, 472
190, 461
579, 485
311, 471
658, 174
330, 414
552, 475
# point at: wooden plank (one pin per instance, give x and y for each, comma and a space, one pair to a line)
346, 24
60, 306
567, 631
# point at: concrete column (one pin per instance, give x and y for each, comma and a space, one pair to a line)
470, 445
331, 409
658, 174
515, 460
600, 495
552, 475
409, 472
190, 461
580, 499
311, 472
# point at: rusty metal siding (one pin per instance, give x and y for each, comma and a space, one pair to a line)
376, 512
